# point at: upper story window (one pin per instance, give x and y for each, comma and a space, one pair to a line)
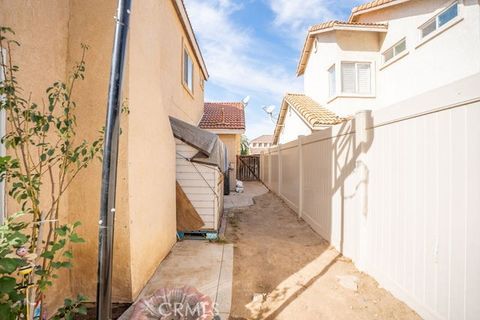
187, 77
439, 20
332, 82
395, 50
356, 77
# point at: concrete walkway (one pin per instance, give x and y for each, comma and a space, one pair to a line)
244, 199
201, 264
207, 266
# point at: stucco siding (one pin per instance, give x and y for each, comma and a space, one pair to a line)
232, 142
333, 48
51, 33
448, 57
42, 61
293, 127
451, 54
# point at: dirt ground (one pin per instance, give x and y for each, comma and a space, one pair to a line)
284, 270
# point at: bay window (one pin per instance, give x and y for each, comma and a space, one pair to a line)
356, 78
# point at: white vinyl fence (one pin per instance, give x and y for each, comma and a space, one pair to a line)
397, 191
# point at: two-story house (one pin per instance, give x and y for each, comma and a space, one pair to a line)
164, 76
389, 51
260, 144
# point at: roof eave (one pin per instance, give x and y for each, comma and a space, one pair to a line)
310, 36
226, 130
280, 121
185, 20
354, 15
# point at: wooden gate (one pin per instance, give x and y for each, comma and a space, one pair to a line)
248, 168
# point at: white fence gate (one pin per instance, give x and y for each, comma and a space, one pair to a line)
397, 191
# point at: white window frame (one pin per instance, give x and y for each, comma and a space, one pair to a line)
187, 74
332, 93
356, 92
439, 29
394, 51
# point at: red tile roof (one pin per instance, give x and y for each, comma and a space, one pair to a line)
223, 115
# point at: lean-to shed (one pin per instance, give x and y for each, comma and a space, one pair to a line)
200, 167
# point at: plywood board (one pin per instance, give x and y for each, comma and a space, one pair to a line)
188, 218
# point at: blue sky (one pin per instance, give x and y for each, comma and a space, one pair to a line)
252, 47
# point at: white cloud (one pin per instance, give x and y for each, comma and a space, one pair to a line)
229, 51
235, 67
294, 17
298, 15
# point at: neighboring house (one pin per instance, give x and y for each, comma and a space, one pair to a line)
165, 73
260, 144
227, 119
388, 51
301, 115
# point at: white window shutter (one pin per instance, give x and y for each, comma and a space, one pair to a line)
185, 67
348, 77
364, 78
190, 73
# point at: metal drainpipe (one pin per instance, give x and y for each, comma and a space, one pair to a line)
109, 170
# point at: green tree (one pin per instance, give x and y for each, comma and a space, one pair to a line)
44, 156
244, 145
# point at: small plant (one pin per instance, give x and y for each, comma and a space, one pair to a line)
44, 156
71, 308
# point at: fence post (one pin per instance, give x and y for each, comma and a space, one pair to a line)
279, 170
269, 159
300, 176
361, 166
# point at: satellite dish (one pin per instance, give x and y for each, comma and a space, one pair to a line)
269, 109
246, 100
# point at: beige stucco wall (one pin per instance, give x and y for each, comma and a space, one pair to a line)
42, 60
333, 48
232, 142
166, 35
91, 23
145, 221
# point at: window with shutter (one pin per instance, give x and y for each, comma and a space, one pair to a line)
187, 71
356, 77
363, 78
332, 81
348, 77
